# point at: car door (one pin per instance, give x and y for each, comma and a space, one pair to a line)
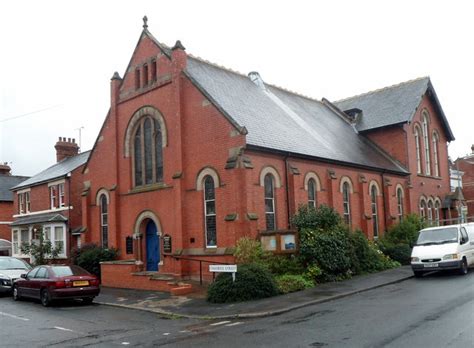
40, 277
24, 285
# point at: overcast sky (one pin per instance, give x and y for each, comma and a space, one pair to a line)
57, 57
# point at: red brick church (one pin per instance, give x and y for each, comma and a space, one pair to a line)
193, 156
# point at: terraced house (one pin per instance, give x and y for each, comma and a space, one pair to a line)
193, 156
50, 203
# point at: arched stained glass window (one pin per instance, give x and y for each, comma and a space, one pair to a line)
210, 211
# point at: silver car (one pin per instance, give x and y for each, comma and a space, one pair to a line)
11, 268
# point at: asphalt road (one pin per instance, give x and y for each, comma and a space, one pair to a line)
435, 311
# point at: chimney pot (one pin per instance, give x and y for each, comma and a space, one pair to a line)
5, 169
65, 148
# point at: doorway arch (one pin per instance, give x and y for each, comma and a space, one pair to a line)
148, 227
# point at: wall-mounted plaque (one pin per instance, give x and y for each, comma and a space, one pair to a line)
167, 243
129, 245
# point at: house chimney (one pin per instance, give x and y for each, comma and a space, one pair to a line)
66, 148
5, 169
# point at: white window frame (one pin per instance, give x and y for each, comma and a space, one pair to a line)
312, 189
418, 150
21, 203
206, 213
271, 213
346, 204
435, 154
29, 229
374, 210
27, 202
400, 203
52, 196
61, 195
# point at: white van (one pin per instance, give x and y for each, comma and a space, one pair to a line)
444, 248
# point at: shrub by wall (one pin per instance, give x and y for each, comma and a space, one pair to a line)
89, 257
290, 283
252, 281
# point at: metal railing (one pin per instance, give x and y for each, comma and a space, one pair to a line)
453, 221
177, 257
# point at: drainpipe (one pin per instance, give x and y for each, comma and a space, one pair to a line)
68, 175
287, 187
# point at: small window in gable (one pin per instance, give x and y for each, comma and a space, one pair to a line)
153, 71
145, 75
137, 78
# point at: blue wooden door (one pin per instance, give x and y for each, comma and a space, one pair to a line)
152, 247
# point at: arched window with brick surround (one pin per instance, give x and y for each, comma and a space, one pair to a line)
346, 190
269, 188
210, 212
418, 149
423, 208
312, 185
144, 142
436, 154
400, 203
426, 142
102, 202
207, 181
374, 192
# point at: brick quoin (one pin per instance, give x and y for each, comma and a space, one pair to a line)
200, 137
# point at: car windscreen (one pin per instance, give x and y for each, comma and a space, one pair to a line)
438, 236
12, 263
64, 271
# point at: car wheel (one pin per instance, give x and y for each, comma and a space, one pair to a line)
16, 293
87, 300
45, 298
464, 269
418, 274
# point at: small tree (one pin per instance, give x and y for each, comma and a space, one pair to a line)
41, 251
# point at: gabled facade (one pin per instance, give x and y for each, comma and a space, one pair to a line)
50, 202
192, 157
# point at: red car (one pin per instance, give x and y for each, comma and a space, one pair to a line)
54, 282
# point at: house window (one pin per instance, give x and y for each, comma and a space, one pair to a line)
375, 222
210, 212
61, 194
148, 152
269, 202
21, 203
15, 242
400, 204
24, 238
27, 202
312, 193
53, 194
137, 78
426, 144
435, 154
418, 150
104, 220
145, 75
346, 203
153, 70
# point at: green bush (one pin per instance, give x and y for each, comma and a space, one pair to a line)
89, 257
248, 250
283, 264
398, 252
405, 232
330, 250
322, 217
313, 273
252, 281
290, 283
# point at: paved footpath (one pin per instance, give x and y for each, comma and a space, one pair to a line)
193, 306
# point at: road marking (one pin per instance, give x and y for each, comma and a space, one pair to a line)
166, 334
125, 343
221, 323
13, 316
185, 331
233, 324
63, 329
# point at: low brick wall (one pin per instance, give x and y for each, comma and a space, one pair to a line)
120, 275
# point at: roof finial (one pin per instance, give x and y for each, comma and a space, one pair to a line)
145, 22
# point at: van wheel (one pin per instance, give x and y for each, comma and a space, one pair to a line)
463, 270
418, 274
45, 298
16, 293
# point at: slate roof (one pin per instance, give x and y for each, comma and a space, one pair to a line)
280, 120
6, 183
56, 171
392, 105
41, 218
